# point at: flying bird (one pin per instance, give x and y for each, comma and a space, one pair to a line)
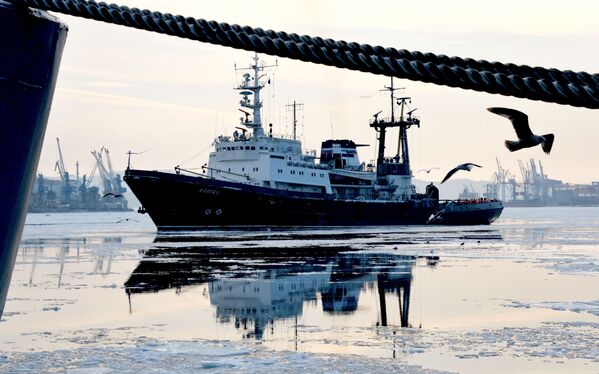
467, 167
117, 195
126, 220
427, 170
526, 138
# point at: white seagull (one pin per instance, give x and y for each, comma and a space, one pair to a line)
526, 138
467, 167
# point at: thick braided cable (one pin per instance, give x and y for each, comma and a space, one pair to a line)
550, 85
481, 65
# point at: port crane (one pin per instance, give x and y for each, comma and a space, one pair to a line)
67, 189
64, 175
110, 181
104, 173
502, 177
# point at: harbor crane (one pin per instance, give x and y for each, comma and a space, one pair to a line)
110, 181
104, 173
64, 175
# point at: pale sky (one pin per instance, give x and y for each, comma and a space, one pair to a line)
128, 89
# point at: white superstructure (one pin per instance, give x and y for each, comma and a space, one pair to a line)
263, 159
259, 158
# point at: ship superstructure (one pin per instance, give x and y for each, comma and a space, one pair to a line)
251, 156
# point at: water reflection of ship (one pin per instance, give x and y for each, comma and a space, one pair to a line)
271, 296
253, 291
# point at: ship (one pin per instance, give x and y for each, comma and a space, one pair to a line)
255, 178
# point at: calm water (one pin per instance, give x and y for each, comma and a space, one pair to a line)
103, 293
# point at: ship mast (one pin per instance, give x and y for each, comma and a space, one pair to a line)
402, 143
381, 125
294, 107
250, 86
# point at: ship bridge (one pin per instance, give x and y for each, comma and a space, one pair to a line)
341, 154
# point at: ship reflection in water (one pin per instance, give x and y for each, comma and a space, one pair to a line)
254, 287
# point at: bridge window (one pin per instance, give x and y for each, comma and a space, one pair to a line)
301, 173
253, 148
280, 171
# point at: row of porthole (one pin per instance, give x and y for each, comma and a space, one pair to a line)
208, 212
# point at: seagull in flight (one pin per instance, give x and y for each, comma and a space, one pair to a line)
467, 167
117, 195
526, 138
427, 170
126, 220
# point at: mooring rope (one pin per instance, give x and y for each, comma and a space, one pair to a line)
579, 89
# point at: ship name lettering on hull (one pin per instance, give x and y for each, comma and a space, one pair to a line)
208, 191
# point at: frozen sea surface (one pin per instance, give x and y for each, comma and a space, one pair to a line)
89, 294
